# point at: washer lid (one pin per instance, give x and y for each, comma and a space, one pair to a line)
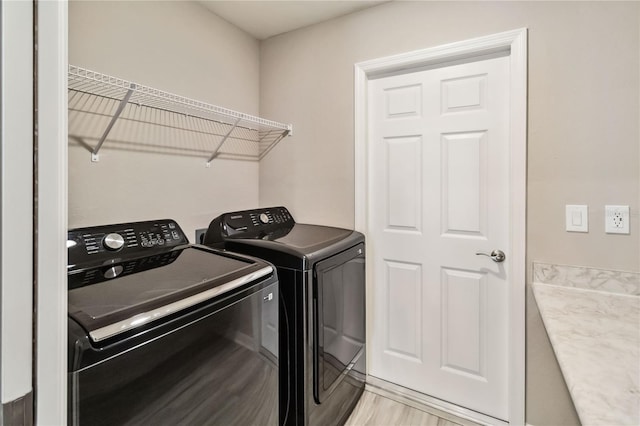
118, 297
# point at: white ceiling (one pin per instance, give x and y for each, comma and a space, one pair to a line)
266, 18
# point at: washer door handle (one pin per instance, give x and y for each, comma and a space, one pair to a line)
496, 255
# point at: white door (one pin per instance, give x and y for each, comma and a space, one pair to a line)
439, 194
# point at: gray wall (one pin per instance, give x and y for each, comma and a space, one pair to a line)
583, 137
178, 47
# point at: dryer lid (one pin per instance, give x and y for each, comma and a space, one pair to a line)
300, 248
310, 238
272, 234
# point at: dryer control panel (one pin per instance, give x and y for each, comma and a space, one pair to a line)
99, 244
258, 223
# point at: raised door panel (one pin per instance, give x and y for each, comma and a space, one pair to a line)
404, 183
404, 310
463, 168
462, 333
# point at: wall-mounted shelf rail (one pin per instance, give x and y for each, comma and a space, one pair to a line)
135, 117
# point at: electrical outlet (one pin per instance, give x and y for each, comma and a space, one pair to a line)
616, 219
200, 235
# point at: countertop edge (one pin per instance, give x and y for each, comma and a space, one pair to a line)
579, 324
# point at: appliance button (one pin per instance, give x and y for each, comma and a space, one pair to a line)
264, 218
113, 241
113, 271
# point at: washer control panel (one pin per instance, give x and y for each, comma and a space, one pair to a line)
98, 244
94, 275
256, 223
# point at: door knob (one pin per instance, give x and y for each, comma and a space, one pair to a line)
496, 255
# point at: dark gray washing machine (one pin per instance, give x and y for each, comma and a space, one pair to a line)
165, 333
321, 271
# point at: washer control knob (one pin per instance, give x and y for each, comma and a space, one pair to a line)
113, 271
113, 242
264, 218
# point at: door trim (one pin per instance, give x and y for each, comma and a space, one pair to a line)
51, 290
515, 43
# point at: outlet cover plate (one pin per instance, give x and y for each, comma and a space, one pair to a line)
200, 235
616, 219
577, 218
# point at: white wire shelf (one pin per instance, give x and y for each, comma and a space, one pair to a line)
135, 117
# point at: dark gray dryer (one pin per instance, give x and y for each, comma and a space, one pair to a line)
321, 271
165, 333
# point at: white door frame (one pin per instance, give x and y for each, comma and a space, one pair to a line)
515, 43
51, 318
16, 207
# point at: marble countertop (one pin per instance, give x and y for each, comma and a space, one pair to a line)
596, 339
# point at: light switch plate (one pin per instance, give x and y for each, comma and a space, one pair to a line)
577, 218
616, 219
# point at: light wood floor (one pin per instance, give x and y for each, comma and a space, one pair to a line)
373, 409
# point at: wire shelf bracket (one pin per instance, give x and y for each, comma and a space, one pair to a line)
95, 157
215, 153
136, 117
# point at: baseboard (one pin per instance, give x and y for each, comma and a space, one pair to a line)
442, 409
18, 411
